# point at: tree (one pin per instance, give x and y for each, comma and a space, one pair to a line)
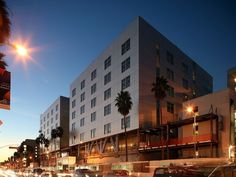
5, 23
5, 29
160, 87
3, 64
124, 105
54, 136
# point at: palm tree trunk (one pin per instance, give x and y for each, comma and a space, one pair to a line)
162, 133
126, 144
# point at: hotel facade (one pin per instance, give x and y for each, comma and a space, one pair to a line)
130, 63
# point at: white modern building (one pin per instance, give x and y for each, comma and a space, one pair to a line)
56, 115
131, 63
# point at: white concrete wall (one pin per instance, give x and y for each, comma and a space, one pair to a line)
114, 50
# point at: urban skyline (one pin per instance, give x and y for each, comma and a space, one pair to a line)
41, 71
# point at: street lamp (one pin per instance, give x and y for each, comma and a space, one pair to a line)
194, 111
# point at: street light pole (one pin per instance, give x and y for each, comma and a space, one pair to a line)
194, 111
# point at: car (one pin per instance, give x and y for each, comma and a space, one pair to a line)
177, 171
86, 173
118, 173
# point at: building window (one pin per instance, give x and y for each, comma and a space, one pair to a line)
169, 58
48, 115
125, 65
93, 88
185, 68
82, 109
171, 91
93, 102
93, 74
82, 97
170, 107
73, 92
48, 131
127, 122
56, 116
82, 122
73, 114
93, 116
44, 119
51, 120
73, 127
47, 123
73, 103
107, 78
125, 46
57, 107
107, 109
81, 137
107, 62
41, 121
107, 94
107, 128
93, 133
185, 83
170, 74
82, 84
52, 112
125, 83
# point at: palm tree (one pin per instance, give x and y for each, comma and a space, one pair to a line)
124, 105
54, 136
3, 64
60, 133
160, 87
5, 23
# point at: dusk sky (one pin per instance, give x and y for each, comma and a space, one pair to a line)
68, 34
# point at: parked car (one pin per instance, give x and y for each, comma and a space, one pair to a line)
86, 173
118, 173
177, 172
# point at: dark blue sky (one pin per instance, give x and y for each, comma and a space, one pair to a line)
71, 33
